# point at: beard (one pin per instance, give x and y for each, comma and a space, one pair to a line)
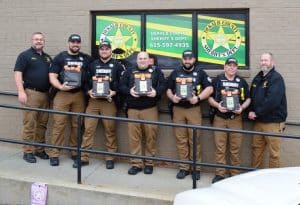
38, 47
74, 49
188, 66
265, 69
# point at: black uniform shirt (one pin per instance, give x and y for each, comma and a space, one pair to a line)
113, 69
200, 82
35, 69
222, 83
64, 58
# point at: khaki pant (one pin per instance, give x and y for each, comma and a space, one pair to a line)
65, 101
35, 123
260, 142
137, 130
184, 136
101, 107
234, 141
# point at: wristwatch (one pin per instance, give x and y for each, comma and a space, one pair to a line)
199, 98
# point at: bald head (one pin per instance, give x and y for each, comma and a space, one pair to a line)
142, 60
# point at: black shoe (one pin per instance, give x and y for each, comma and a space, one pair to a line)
217, 178
197, 175
29, 157
74, 157
148, 169
182, 174
54, 161
42, 155
110, 164
134, 170
83, 163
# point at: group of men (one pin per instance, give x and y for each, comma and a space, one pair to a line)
80, 87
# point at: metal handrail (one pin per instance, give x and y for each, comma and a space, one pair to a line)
165, 111
193, 163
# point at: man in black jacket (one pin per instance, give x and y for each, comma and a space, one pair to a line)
141, 102
269, 110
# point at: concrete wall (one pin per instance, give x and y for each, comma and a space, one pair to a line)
274, 26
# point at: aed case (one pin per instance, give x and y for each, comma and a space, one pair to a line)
72, 75
230, 98
142, 83
184, 87
100, 86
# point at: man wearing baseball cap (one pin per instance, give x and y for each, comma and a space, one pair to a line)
187, 109
228, 115
70, 95
104, 66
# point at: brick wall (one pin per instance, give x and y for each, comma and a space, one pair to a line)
274, 26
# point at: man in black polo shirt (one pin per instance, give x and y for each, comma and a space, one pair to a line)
68, 75
230, 99
186, 107
104, 69
31, 77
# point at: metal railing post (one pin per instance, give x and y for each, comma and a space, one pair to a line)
194, 158
79, 123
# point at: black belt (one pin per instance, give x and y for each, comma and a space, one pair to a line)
232, 116
75, 90
37, 89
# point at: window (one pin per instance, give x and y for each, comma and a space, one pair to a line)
212, 35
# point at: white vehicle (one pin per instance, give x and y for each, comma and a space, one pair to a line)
262, 187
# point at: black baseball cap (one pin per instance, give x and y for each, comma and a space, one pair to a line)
74, 37
188, 53
231, 60
105, 43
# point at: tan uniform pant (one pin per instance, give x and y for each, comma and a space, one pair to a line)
234, 141
35, 123
101, 107
260, 142
70, 102
137, 130
184, 136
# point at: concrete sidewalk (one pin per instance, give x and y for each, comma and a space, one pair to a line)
99, 185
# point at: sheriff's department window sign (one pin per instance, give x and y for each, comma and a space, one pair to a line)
220, 38
212, 35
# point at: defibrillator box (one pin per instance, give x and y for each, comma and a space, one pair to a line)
230, 98
184, 87
72, 75
142, 83
101, 86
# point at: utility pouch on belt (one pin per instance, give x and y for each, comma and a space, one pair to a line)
100, 86
142, 83
230, 98
72, 75
184, 87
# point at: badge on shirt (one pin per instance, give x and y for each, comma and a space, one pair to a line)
265, 84
47, 59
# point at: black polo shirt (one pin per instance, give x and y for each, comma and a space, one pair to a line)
113, 69
35, 69
200, 82
222, 83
